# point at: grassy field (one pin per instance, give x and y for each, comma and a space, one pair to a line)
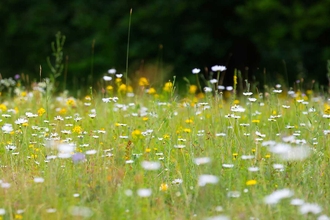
146, 153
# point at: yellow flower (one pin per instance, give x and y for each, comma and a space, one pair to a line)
189, 121
251, 182
136, 133
267, 156
3, 107
18, 216
326, 109
187, 130
25, 124
62, 111
109, 88
143, 81
166, 136
77, 129
122, 88
118, 80
145, 118
23, 94
200, 95
226, 94
235, 155
192, 89
255, 121
148, 150
163, 187
129, 89
309, 92
168, 87
71, 102
236, 102
41, 111
151, 91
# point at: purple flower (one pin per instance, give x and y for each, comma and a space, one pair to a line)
77, 157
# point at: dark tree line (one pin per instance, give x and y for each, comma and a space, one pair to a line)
290, 39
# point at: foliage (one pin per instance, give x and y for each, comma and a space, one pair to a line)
169, 37
153, 155
57, 48
295, 32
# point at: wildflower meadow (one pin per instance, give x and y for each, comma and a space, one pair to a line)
138, 151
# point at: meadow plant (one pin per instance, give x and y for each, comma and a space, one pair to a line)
139, 152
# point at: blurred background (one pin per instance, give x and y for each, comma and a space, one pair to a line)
267, 40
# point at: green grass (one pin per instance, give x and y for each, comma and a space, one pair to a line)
149, 127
